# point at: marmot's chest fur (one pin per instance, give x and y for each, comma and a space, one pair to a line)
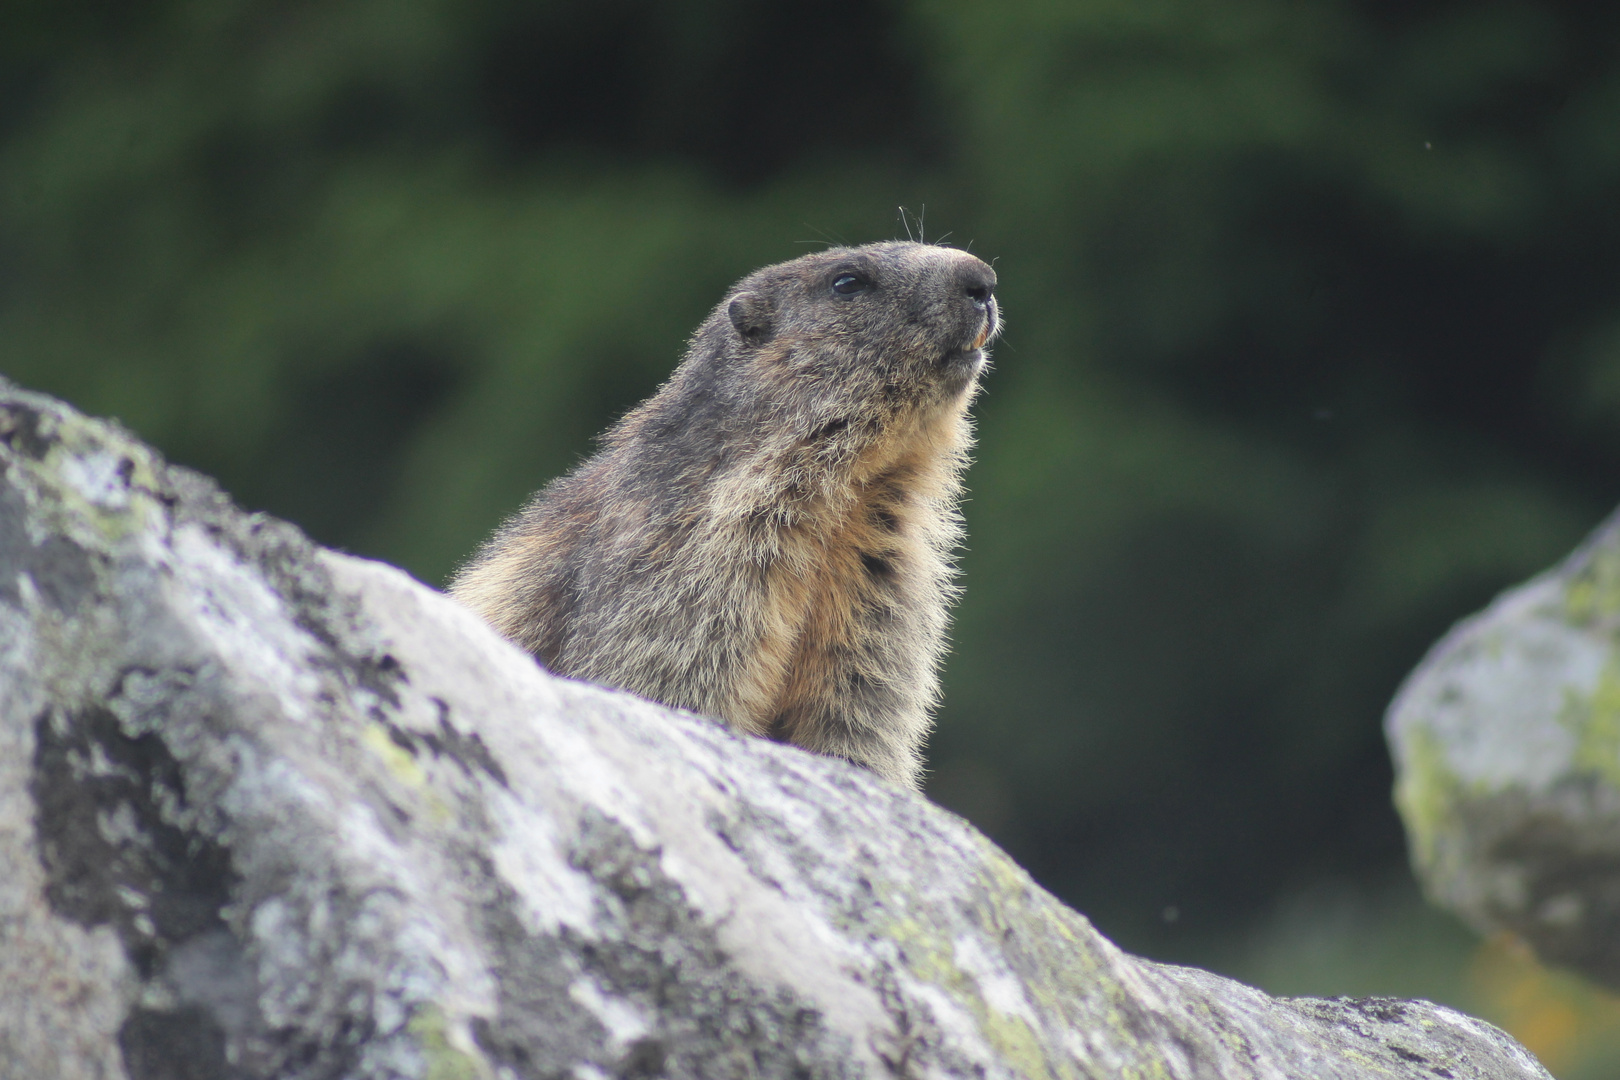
768, 538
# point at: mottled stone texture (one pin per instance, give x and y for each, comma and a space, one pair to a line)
1507, 750
270, 811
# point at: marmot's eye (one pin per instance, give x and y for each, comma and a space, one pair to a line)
850, 284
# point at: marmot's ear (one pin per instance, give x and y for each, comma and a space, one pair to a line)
750, 313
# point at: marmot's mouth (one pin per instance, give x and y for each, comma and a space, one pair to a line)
984, 335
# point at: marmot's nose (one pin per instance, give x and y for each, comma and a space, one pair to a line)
978, 281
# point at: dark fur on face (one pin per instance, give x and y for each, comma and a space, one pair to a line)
768, 538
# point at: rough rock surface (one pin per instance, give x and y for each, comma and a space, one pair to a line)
1507, 750
270, 811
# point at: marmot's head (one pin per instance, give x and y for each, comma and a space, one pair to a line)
899, 322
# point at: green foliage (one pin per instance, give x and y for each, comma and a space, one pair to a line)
1313, 318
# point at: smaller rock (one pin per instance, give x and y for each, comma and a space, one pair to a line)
1507, 751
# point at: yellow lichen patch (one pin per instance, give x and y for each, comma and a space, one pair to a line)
445, 1060
1015, 1041
405, 767
400, 761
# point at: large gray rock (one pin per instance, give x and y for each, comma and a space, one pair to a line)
1507, 750
267, 810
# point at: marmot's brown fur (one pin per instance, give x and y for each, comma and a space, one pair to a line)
768, 538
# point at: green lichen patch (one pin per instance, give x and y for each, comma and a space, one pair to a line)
91, 481
1592, 594
930, 955
1595, 720
1427, 795
1057, 966
392, 746
445, 1060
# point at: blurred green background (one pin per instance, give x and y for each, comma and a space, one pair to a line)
1314, 345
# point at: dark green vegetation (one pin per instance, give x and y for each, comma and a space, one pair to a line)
1314, 309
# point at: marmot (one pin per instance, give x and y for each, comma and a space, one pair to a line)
768, 539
